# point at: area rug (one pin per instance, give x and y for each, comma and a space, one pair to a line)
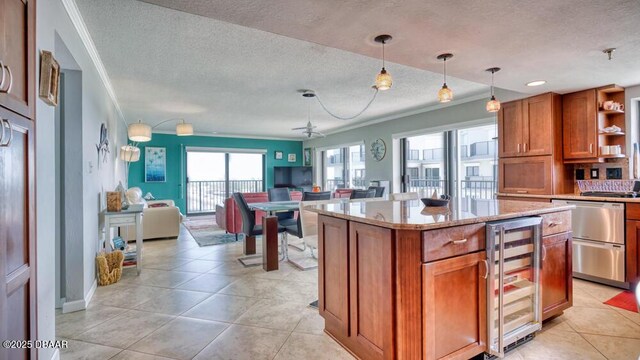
625, 300
206, 233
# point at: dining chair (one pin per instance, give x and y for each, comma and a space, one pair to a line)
249, 227
404, 196
282, 194
379, 190
363, 194
312, 196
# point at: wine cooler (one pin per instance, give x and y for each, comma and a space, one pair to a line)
514, 309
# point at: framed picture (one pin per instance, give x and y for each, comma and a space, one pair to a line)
279, 155
306, 157
49, 78
292, 158
155, 164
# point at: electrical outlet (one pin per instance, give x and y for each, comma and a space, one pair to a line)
614, 173
595, 173
579, 174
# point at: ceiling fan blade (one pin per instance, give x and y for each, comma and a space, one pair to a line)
300, 128
318, 134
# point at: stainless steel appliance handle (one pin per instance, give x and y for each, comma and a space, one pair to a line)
8, 90
501, 293
1, 133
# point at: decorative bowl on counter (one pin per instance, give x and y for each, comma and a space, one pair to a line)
430, 202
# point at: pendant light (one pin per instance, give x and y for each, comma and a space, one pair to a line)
445, 94
493, 105
383, 80
184, 129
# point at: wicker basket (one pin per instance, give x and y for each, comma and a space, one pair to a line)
109, 267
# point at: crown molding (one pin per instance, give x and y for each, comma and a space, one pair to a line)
238, 136
85, 37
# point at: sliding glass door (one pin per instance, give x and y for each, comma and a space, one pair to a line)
425, 166
212, 176
344, 167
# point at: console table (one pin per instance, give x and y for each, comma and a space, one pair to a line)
127, 217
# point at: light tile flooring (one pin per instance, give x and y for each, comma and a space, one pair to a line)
192, 302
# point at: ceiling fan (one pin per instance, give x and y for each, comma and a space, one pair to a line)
308, 130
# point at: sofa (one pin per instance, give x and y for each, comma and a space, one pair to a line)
160, 218
228, 216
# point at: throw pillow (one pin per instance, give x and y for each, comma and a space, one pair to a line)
157, 205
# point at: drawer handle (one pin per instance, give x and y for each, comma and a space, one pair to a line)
554, 224
486, 268
590, 148
2, 121
458, 242
522, 191
525, 147
544, 252
8, 89
518, 147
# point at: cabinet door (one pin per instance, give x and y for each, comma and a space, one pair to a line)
454, 307
556, 276
510, 129
370, 251
632, 250
17, 43
17, 237
580, 125
333, 268
526, 175
537, 118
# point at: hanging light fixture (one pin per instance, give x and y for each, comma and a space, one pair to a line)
383, 80
445, 94
129, 153
493, 105
139, 132
184, 129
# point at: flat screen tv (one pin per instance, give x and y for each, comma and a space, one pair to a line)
293, 177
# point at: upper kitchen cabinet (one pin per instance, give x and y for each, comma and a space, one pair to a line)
594, 125
17, 56
526, 127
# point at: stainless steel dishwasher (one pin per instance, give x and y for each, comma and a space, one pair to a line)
598, 241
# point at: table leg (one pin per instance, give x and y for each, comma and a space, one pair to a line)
249, 245
270, 243
139, 242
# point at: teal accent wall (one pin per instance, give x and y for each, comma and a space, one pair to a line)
174, 187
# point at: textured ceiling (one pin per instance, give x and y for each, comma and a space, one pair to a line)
560, 41
237, 80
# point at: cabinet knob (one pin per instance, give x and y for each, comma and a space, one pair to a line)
8, 89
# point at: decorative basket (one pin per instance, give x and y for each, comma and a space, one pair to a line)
109, 267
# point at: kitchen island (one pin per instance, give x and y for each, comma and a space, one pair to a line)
400, 281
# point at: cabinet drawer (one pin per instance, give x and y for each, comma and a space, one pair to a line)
454, 241
556, 223
633, 211
125, 220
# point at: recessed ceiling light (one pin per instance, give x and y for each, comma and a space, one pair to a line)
536, 83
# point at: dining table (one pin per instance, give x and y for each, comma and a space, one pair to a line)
270, 231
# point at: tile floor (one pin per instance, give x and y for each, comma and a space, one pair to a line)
200, 303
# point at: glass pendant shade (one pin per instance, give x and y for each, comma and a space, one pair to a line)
129, 153
184, 129
445, 94
493, 105
139, 132
383, 80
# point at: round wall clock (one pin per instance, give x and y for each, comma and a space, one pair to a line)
378, 149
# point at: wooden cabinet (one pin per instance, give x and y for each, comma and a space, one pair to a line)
632, 243
525, 127
556, 274
17, 53
530, 175
454, 307
17, 235
580, 125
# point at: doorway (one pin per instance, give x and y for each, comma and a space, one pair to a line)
214, 174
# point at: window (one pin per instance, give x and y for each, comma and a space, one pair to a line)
344, 167
473, 171
424, 163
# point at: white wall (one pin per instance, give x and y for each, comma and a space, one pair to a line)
97, 107
632, 120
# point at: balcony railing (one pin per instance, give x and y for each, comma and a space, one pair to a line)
203, 196
475, 189
332, 184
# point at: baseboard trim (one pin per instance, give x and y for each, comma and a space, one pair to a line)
56, 355
77, 305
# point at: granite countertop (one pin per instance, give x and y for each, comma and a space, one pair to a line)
573, 197
413, 215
